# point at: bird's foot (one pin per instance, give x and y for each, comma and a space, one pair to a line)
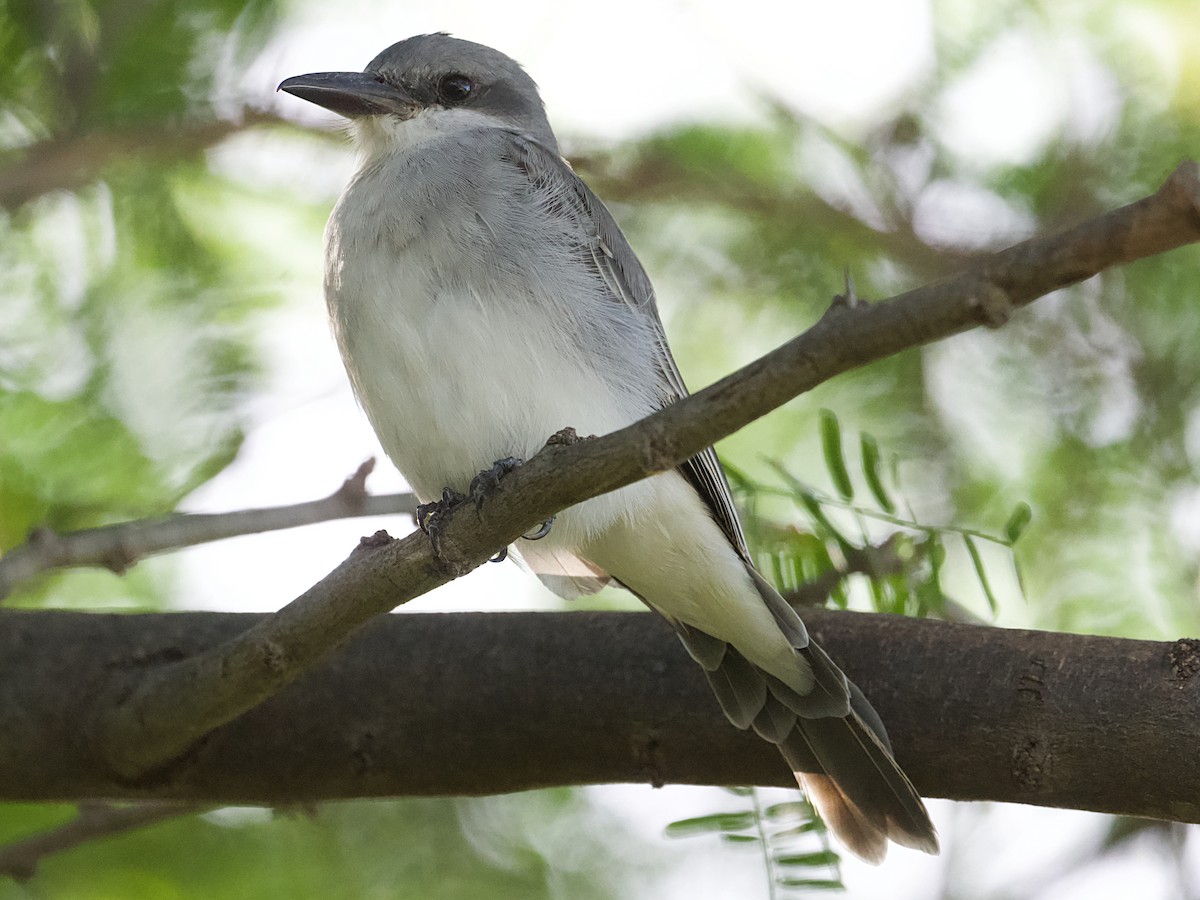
487, 482
430, 516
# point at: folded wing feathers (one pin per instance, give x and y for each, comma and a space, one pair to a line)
739, 687
774, 721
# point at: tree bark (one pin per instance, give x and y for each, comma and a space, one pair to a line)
489, 703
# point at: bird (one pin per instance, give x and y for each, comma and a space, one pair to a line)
483, 298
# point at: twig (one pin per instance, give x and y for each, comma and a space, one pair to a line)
878, 515
876, 561
157, 715
117, 547
873, 561
20, 859
69, 163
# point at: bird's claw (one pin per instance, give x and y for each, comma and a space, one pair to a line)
427, 513
488, 481
541, 532
430, 515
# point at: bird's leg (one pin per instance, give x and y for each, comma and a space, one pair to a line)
430, 515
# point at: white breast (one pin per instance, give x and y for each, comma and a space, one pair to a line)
453, 382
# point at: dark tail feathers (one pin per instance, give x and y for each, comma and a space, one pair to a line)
842, 760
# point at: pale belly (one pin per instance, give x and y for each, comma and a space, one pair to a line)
453, 385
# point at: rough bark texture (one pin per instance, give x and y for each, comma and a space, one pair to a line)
487, 703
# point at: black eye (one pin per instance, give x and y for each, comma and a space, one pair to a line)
455, 89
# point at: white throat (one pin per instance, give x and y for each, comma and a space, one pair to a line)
378, 136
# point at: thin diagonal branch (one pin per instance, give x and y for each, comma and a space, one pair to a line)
117, 547
69, 163
892, 557
20, 859
159, 714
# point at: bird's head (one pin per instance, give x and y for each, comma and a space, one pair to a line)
425, 85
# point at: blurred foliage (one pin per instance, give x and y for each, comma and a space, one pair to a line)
1085, 404
405, 850
876, 543
133, 262
125, 335
791, 837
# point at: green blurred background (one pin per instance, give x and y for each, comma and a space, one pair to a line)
163, 346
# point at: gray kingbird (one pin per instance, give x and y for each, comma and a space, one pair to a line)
483, 298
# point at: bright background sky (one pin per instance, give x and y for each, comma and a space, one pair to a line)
610, 73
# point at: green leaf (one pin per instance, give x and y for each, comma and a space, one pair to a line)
977, 561
777, 574
840, 595
717, 822
900, 591
937, 553
1018, 522
882, 599
888, 594
817, 858
796, 830
812, 504
872, 461
740, 838
928, 590
1020, 582
812, 555
831, 444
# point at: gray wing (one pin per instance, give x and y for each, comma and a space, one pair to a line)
609, 253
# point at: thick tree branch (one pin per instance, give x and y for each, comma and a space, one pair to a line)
494, 702
163, 711
118, 547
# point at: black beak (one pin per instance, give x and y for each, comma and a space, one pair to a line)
352, 94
